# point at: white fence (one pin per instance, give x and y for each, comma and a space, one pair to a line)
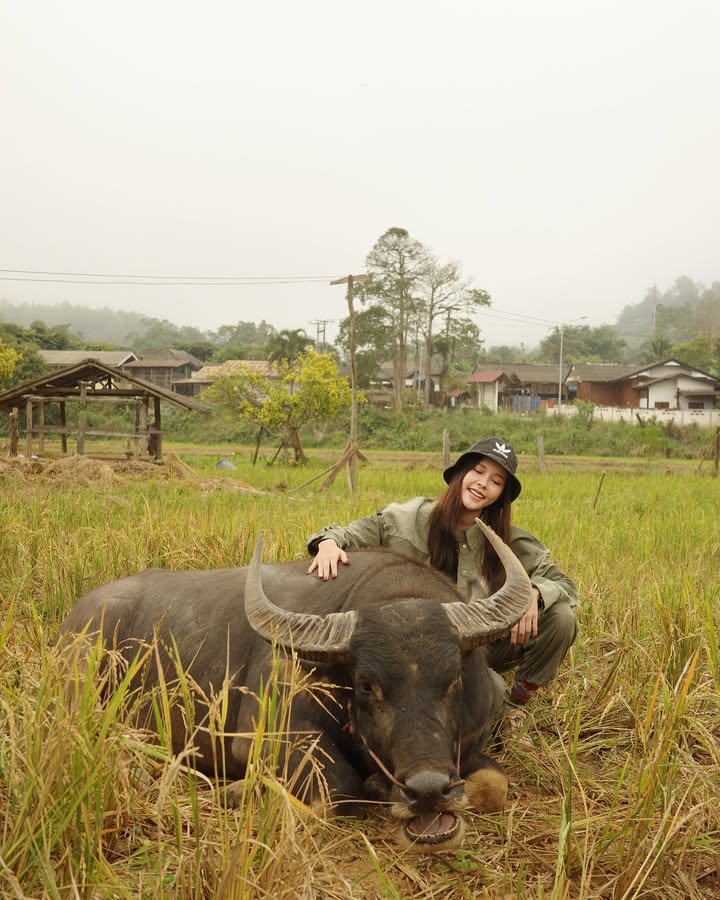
704, 418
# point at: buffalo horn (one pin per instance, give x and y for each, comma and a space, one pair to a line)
316, 638
483, 620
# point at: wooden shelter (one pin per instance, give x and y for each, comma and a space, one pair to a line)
85, 384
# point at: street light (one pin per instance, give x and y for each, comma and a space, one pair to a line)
560, 370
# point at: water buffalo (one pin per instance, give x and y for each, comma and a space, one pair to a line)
399, 648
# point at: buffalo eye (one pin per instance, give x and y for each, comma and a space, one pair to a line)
368, 690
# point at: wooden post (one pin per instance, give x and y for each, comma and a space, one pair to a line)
158, 425
717, 454
63, 423
41, 427
14, 431
350, 458
28, 427
144, 416
257, 445
136, 439
82, 419
446, 448
352, 461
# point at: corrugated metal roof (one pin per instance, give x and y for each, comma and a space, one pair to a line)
600, 371
483, 377
155, 364
234, 366
72, 357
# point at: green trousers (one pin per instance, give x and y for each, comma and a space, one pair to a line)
538, 660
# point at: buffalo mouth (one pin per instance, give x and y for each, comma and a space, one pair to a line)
433, 830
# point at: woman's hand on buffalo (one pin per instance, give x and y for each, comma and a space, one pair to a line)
527, 627
327, 558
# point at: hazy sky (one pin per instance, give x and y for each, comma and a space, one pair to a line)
567, 152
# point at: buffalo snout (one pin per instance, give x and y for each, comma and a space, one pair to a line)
430, 790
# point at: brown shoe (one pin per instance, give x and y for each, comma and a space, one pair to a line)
513, 727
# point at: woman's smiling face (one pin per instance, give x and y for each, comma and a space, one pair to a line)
482, 485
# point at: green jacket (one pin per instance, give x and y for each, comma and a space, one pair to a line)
404, 527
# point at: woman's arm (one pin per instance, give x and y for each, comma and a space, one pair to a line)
328, 545
547, 577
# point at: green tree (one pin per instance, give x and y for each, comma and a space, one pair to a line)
373, 342
244, 333
703, 352
56, 337
459, 347
287, 345
239, 351
583, 343
29, 363
200, 349
318, 394
505, 353
9, 358
394, 266
655, 349
443, 296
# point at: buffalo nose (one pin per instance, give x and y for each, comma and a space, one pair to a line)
427, 789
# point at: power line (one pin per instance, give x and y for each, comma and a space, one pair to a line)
237, 283
110, 279
255, 279
519, 317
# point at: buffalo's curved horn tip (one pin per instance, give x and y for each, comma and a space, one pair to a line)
483, 620
316, 638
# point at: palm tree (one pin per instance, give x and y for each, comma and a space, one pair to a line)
656, 348
287, 344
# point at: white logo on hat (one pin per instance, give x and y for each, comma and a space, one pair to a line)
501, 448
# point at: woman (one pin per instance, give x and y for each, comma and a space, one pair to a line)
480, 483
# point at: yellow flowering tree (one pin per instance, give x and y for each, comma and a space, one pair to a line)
9, 358
306, 391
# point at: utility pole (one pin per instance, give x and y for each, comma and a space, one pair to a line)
561, 326
320, 325
351, 452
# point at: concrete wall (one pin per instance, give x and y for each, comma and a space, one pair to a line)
705, 418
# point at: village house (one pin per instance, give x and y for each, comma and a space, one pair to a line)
667, 385
670, 384
165, 368
201, 379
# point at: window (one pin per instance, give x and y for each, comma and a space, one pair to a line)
696, 404
662, 404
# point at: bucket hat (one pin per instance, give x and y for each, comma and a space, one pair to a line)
499, 451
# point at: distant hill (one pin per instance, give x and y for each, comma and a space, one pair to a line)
679, 313
107, 326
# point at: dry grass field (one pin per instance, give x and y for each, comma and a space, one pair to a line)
618, 799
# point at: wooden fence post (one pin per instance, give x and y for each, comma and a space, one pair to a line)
28, 427
14, 431
82, 419
446, 448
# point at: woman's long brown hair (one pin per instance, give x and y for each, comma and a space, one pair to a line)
442, 542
